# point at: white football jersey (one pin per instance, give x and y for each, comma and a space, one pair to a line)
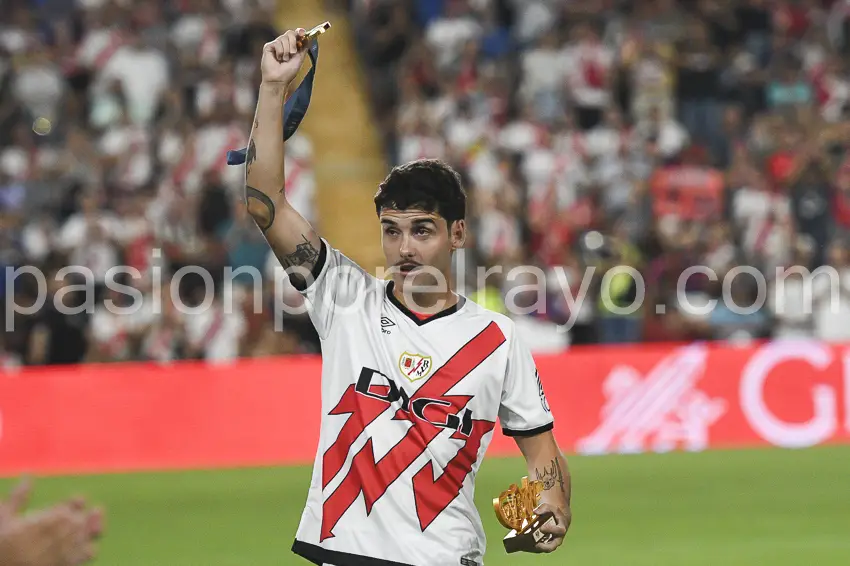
409, 407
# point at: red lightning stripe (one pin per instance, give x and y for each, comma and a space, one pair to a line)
373, 479
363, 410
433, 496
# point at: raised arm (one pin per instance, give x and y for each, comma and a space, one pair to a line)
293, 241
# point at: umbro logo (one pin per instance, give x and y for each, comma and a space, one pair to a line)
386, 322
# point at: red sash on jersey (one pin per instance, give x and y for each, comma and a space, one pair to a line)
212, 331
294, 172
116, 41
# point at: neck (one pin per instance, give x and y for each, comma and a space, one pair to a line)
425, 303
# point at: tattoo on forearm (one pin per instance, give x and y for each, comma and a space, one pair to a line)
304, 254
263, 223
548, 475
560, 476
551, 475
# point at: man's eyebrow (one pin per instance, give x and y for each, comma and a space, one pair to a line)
414, 222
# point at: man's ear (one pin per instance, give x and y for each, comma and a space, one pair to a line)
457, 234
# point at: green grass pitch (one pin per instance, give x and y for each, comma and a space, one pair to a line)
760, 507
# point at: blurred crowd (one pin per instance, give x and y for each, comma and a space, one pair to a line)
115, 119
653, 134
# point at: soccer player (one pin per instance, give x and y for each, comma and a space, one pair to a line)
414, 376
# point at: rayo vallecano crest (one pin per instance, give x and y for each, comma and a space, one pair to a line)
415, 366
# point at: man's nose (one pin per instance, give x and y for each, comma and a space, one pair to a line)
406, 250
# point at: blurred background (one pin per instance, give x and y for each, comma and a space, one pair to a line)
656, 134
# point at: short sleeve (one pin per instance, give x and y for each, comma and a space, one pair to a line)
524, 410
337, 286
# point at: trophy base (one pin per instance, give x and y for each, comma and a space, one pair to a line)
527, 537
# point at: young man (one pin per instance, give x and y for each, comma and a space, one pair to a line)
414, 376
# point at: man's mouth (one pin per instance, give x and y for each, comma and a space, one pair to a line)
407, 267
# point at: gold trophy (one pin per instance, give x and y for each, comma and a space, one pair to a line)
315, 32
515, 511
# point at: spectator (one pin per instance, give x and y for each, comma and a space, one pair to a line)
791, 307
832, 297
589, 65
134, 110
531, 310
543, 71
680, 133
59, 330
114, 334
811, 197
698, 83
738, 317
789, 87
447, 35
138, 73
620, 313
38, 85
213, 333
649, 76
669, 136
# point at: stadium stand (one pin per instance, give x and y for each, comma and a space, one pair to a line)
658, 134
116, 120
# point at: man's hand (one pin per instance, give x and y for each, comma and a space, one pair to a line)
63, 535
556, 530
282, 58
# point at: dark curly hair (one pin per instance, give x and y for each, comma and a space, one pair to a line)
426, 184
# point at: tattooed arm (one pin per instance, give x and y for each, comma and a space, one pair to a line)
547, 464
292, 239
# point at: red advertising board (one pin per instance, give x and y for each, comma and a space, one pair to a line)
262, 412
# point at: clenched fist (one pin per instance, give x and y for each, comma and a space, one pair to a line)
282, 58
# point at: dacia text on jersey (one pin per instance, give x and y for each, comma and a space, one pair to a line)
364, 402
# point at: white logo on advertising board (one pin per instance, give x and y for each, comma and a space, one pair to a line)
824, 398
660, 411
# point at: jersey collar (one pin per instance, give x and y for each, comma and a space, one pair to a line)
419, 322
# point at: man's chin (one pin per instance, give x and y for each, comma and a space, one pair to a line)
406, 282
